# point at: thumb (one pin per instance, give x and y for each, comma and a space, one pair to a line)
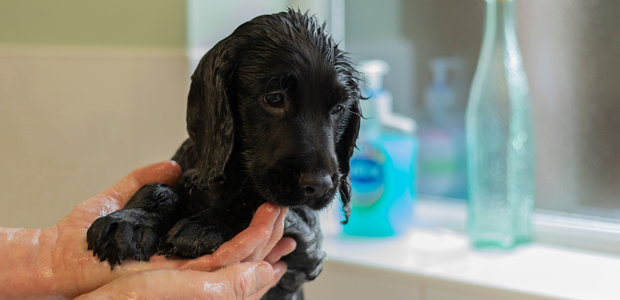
246, 279
241, 281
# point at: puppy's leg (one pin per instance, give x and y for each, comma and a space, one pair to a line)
203, 233
306, 262
133, 232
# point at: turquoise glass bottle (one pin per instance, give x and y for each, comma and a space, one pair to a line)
500, 138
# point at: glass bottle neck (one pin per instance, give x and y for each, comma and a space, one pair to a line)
499, 27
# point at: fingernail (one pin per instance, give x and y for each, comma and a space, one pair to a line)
264, 274
279, 268
174, 163
274, 208
292, 247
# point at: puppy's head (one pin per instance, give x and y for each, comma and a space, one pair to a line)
279, 91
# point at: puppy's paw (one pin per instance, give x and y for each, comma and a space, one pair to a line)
127, 233
191, 238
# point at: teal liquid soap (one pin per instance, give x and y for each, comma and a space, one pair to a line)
382, 169
382, 176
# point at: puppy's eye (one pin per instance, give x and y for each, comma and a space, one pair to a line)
274, 100
337, 110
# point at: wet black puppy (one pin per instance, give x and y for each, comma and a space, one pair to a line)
272, 115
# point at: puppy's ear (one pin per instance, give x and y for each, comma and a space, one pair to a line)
344, 151
209, 116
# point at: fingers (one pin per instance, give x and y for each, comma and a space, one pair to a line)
284, 247
241, 281
262, 240
243, 244
278, 271
115, 197
253, 280
249, 278
246, 243
166, 172
276, 235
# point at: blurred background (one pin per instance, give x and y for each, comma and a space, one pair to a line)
90, 90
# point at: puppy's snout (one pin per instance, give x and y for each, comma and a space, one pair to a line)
315, 184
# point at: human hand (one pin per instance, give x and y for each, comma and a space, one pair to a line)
243, 281
61, 265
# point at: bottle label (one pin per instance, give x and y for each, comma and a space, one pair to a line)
367, 178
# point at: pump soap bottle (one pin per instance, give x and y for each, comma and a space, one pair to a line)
382, 170
443, 163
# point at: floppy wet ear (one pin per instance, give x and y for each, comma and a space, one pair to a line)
344, 151
209, 117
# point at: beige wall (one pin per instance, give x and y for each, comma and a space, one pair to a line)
88, 91
135, 23
74, 121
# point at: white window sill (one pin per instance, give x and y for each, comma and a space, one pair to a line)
435, 257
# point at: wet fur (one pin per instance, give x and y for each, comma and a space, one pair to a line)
242, 153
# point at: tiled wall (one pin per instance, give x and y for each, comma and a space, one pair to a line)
341, 280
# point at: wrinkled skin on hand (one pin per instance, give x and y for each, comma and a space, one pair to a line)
54, 261
244, 281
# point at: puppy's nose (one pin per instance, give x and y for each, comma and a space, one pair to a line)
315, 184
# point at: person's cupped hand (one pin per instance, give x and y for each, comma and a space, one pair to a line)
69, 269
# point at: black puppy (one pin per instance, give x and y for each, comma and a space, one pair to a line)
272, 115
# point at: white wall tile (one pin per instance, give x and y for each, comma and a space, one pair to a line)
340, 281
